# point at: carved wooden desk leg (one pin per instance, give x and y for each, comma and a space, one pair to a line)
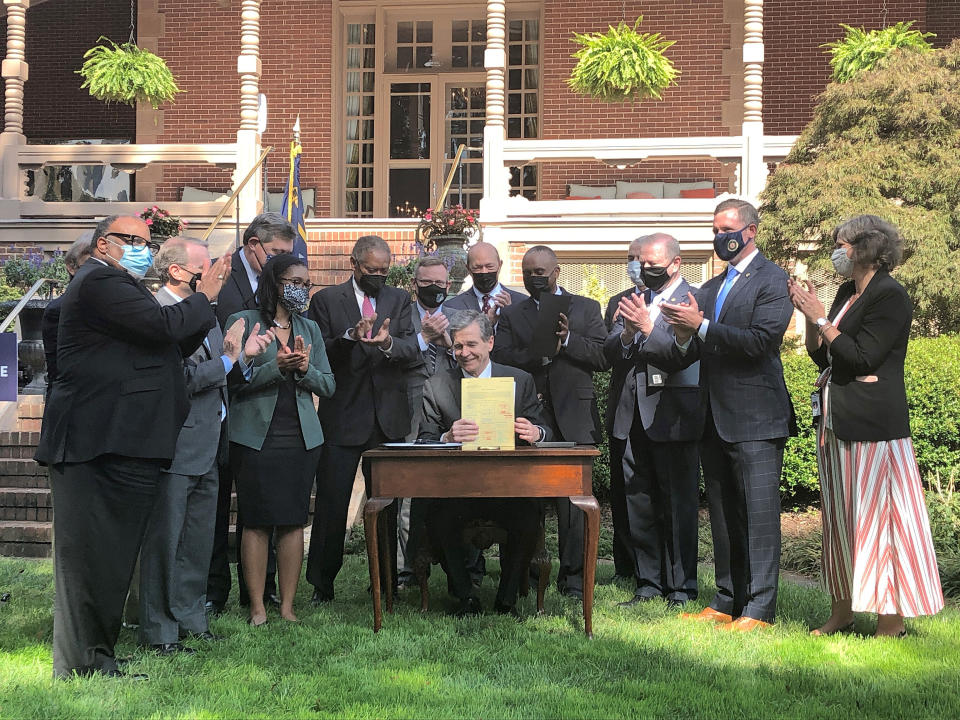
591, 513
371, 512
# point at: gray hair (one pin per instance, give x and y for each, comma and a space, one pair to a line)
101, 229
174, 252
80, 249
745, 211
670, 243
876, 243
466, 318
267, 226
368, 243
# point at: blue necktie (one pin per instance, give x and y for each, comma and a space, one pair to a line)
732, 273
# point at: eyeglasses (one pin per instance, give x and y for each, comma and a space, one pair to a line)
134, 241
297, 283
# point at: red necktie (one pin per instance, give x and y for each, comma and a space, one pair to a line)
486, 304
368, 311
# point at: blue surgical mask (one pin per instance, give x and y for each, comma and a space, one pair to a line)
135, 261
634, 270
729, 244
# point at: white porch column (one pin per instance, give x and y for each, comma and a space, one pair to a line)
496, 187
14, 72
753, 176
248, 136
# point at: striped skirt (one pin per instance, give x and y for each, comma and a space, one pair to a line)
877, 548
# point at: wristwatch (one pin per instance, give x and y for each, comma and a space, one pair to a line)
822, 321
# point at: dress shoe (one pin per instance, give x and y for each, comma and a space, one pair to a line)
172, 649
213, 609
746, 624
121, 675
320, 597
708, 614
510, 610
637, 600
470, 606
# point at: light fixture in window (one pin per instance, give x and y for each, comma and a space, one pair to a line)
433, 62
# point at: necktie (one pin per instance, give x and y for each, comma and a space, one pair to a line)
722, 295
368, 311
486, 304
648, 297
432, 358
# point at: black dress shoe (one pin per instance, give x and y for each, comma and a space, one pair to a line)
510, 610
636, 600
573, 593
172, 649
213, 609
470, 606
320, 597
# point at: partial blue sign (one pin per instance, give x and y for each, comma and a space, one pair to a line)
8, 367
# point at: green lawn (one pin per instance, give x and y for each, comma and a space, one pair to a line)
642, 663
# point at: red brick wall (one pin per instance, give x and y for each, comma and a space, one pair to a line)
796, 69
59, 32
329, 252
943, 18
201, 42
691, 108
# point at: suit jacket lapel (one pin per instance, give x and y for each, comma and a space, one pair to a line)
238, 273
415, 317
349, 301
528, 314
745, 278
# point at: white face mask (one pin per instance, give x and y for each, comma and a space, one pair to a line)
841, 263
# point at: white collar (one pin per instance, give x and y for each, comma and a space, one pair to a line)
423, 311
485, 373
251, 275
497, 289
742, 265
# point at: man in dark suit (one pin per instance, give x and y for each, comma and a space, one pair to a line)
621, 401
564, 382
487, 294
267, 235
734, 325
76, 256
179, 540
658, 458
370, 345
472, 336
112, 425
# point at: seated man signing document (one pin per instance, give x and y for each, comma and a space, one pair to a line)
472, 337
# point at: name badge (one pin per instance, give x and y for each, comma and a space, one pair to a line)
655, 379
815, 406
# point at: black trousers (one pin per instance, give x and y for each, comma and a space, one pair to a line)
338, 468
661, 492
101, 510
220, 579
623, 563
520, 517
743, 490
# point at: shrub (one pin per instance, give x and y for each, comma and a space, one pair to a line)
932, 377
799, 485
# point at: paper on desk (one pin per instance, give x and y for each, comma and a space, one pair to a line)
489, 403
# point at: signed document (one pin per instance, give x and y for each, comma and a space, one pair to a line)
489, 403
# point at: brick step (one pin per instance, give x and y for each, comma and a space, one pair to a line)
34, 504
25, 452
25, 531
23, 439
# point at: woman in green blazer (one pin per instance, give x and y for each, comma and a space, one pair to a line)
275, 435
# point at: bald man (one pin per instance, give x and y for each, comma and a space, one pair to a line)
564, 382
487, 294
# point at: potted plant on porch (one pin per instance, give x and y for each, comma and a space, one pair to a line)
447, 232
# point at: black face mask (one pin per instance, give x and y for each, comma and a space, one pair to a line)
484, 282
431, 296
655, 277
371, 284
729, 244
193, 281
536, 285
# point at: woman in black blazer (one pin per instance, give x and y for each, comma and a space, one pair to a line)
877, 550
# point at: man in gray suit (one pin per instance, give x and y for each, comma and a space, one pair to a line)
659, 416
175, 556
487, 294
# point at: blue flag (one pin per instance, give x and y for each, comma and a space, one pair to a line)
293, 203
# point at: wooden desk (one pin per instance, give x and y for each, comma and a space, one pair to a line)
441, 473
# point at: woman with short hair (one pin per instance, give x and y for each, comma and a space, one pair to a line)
275, 434
878, 554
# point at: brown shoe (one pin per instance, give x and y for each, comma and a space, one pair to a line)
746, 624
708, 614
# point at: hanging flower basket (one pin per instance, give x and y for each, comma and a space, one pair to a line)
622, 64
127, 74
861, 49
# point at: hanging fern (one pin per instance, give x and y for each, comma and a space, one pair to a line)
127, 74
622, 64
861, 49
